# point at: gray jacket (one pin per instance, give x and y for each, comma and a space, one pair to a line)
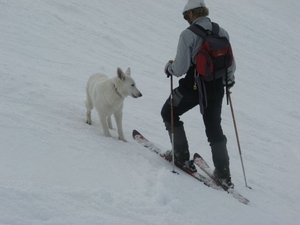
188, 46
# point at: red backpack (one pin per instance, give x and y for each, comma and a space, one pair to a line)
215, 54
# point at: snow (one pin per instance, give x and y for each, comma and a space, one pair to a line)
56, 169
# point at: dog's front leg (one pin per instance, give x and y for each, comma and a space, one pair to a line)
88, 118
89, 107
109, 123
118, 117
104, 125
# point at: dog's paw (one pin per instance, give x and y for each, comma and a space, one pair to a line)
89, 122
123, 139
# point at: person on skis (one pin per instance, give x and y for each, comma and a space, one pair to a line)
186, 96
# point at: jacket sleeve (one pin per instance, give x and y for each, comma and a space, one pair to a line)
232, 68
183, 56
230, 74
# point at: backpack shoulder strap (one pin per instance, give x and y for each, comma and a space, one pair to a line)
197, 29
200, 31
215, 28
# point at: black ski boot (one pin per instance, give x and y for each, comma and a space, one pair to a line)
181, 148
189, 164
223, 177
221, 162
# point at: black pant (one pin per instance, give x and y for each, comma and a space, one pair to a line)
186, 99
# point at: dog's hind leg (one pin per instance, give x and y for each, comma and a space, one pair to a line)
89, 106
118, 117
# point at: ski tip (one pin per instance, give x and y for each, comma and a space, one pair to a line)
135, 132
196, 155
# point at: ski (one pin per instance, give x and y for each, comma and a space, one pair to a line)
201, 163
209, 181
152, 147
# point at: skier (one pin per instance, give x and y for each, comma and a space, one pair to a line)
186, 95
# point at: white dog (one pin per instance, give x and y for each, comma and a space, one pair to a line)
107, 96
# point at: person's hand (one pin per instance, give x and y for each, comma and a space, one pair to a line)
167, 67
230, 84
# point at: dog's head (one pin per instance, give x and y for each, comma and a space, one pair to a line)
127, 85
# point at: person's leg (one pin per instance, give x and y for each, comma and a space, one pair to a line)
183, 101
214, 132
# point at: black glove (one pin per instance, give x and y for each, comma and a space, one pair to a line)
167, 67
230, 84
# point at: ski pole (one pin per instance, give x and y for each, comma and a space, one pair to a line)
172, 124
237, 136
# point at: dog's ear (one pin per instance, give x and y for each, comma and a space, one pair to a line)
128, 71
121, 74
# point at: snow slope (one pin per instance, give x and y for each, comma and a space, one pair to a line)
55, 169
